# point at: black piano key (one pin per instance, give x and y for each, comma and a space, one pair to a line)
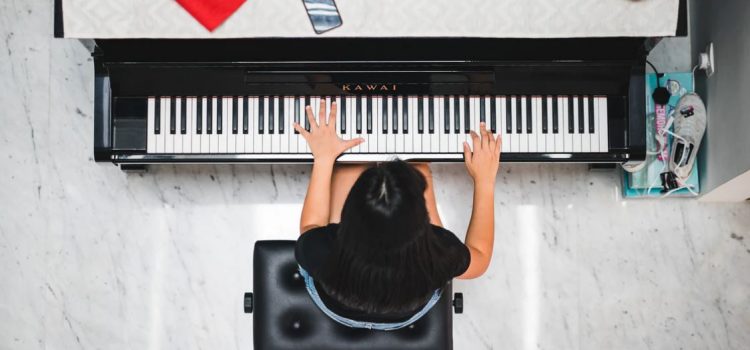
508, 115
210, 116
219, 115
271, 116
405, 120
297, 113
245, 116
482, 117
529, 116
383, 114
172, 116
199, 116
570, 114
183, 116
467, 115
519, 115
580, 114
157, 115
456, 115
369, 114
262, 114
282, 100
544, 115
591, 115
342, 121
420, 115
431, 115
235, 116
493, 114
555, 116
307, 120
446, 116
358, 114
394, 114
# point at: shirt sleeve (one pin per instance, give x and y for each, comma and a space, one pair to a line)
459, 253
312, 247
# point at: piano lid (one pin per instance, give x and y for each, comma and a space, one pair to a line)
379, 18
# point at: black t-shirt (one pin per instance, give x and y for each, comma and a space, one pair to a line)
312, 250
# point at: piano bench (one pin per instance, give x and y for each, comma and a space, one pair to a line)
284, 316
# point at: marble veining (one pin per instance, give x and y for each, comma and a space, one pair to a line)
92, 258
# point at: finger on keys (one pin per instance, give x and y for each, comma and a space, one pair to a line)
467, 153
301, 130
322, 113
475, 140
485, 135
311, 118
332, 114
498, 145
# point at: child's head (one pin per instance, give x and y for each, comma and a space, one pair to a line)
386, 256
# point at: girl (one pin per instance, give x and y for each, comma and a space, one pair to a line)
372, 251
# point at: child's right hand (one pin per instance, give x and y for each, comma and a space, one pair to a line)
484, 161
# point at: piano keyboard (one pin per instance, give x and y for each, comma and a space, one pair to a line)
421, 127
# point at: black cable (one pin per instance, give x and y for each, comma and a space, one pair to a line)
661, 94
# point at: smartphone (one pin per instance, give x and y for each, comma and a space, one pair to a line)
324, 15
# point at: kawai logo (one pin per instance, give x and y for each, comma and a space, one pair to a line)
368, 87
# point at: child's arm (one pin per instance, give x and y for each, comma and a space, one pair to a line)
326, 146
482, 164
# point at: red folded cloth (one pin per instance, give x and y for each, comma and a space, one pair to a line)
211, 13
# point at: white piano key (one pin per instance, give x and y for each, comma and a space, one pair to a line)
585, 137
161, 137
337, 99
276, 136
502, 122
230, 136
390, 140
399, 138
187, 141
168, 136
568, 137
524, 136
255, 114
178, 136
240, 137
205, 115
327, 101
536, 126
560, 136
549, 140
474, 114
456, 141
595, 136
301, 142
224, 125
195, 140
382, 137
603, 125
424, 138
150, 119
515, 142
440, 115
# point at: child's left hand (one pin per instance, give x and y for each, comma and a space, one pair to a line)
324, 143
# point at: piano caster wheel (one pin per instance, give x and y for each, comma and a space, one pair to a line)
458, 303
248, 303
134, 168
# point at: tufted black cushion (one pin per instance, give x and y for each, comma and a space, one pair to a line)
285, 317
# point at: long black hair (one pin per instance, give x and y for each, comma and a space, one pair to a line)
386, 257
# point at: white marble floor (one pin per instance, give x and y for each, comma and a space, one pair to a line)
92, 258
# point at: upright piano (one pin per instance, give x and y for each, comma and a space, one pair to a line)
235, 100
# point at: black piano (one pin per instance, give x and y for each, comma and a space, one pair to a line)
234, 100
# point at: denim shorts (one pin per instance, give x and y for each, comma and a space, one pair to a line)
310, 285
